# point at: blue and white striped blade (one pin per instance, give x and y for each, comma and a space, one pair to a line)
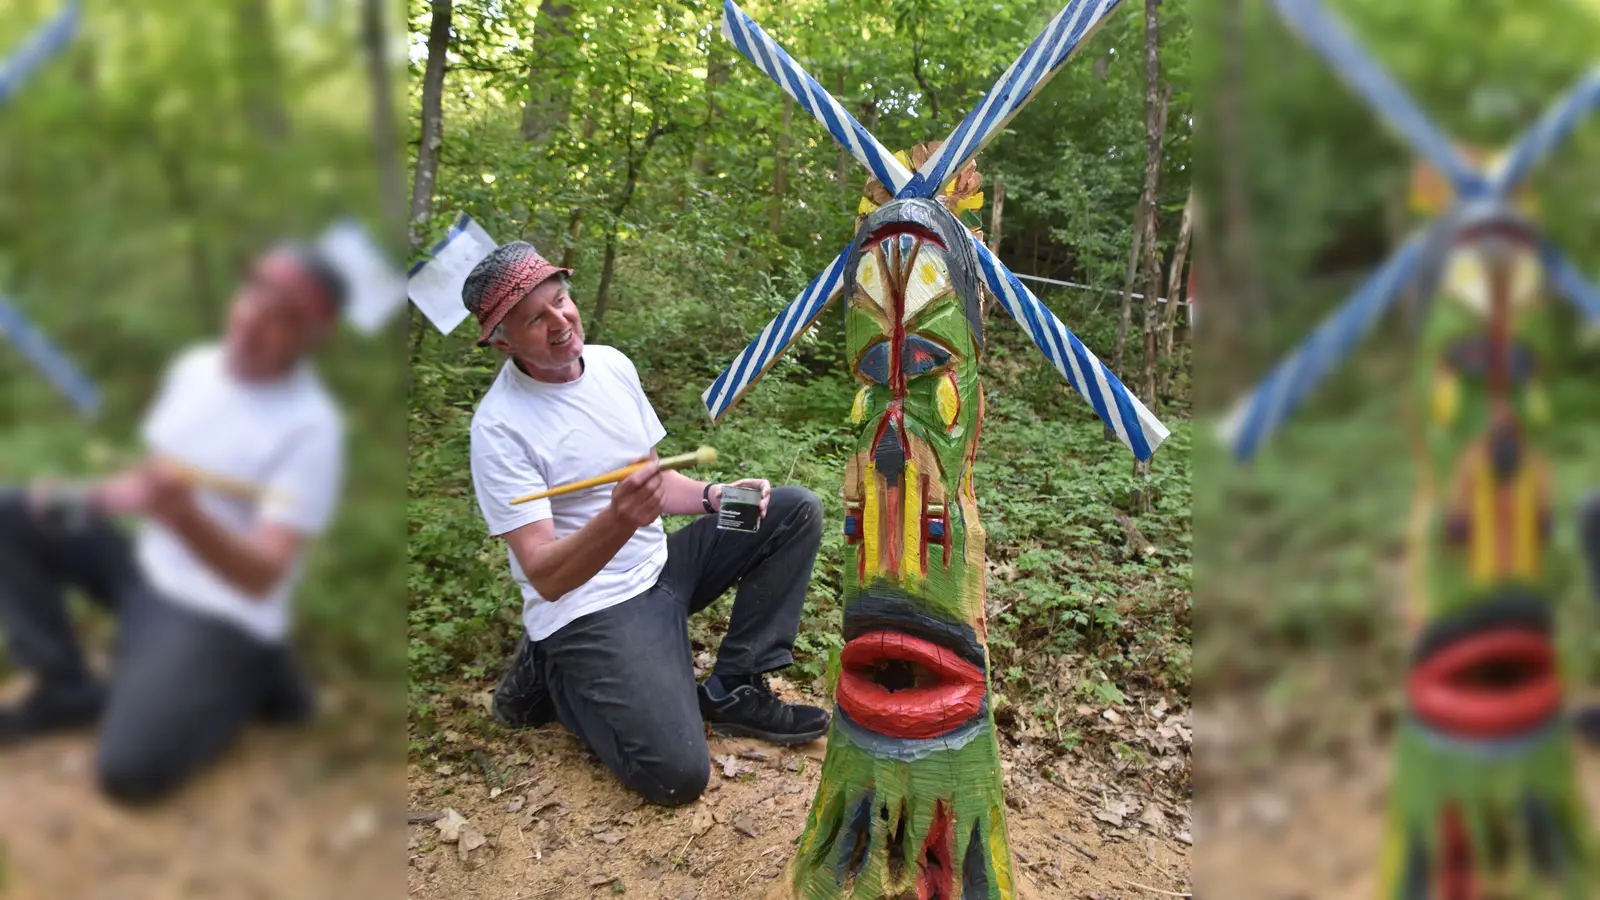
1569, 281
1264, 409
47, 41
756, 46
1027, 76
754, 361
52, 362
1134, 425
1351, 62
1552, 128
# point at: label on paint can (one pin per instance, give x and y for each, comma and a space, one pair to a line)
740, 509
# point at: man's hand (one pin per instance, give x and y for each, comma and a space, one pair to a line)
153, 489
170, 497
640, 498
760, 484
123, 495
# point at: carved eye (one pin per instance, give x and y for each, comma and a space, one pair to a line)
928, 280
870, 280
920, 356
874, 363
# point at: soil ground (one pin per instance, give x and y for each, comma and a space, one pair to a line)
545, 820
308, 815
1308, 826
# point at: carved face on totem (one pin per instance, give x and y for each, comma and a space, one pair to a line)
911, 800
1483, 693
1485, 668
913, 664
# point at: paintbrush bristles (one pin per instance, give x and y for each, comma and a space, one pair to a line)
704, 456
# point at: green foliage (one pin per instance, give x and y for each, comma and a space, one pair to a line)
700, 269
1302, 549
1066, 589
145, 168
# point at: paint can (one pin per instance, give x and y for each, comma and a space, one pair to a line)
740, 509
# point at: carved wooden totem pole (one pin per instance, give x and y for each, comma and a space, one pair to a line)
911, 799
1484, 800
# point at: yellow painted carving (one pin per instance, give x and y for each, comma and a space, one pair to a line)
1446, 398
1393, 853
858, 410
949, 401
1000, 853
1482, 519
911, 516
1527, 522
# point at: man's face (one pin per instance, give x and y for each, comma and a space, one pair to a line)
544, 329
277, 317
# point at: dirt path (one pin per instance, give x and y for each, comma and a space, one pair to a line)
284, 816
1308, 827
561, 827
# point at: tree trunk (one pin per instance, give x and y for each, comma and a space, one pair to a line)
545, 110
608, 267
781, 168
1175, 280
1127, 294
1238, 270
186, 203
385, 136
260, 72
1155, 122
432, 124
574, 228
1175, 288
718, 69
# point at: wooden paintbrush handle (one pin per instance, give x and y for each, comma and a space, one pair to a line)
704, 456
222, 484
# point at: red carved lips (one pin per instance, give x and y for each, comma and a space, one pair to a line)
905, 687
1493, 684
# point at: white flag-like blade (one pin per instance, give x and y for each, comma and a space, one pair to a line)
1027, 76
754, 361
1134, 425
1552, 128
1264, 409
756, 46
376, 289
435, 283
1329, 38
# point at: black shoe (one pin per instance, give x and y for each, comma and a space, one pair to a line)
51, 710
288, 705
522, 700
1586, 723
752, 710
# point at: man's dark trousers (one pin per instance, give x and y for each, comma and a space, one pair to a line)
183, 684
622, 679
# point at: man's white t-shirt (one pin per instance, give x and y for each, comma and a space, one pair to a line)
528, 436
286, 436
